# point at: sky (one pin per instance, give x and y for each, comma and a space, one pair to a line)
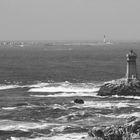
69, 19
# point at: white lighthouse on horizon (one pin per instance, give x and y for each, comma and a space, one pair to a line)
104, 39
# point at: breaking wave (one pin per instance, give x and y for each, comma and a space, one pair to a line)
71, 136
4, 87
9, 125
97, 105
106, 104
136, 114
66, 95
67, 87
127, 97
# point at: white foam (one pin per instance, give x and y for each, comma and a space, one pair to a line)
71, 136
102, 104
107, 104
136, 114
56, 87
66, 87
129, 97
9, 108
4, 87
67, 95
63, 89
38, 85
57, 106
9, 125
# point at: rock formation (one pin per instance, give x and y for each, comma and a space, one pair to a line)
79, 101
128, 131
120, 87
128, 86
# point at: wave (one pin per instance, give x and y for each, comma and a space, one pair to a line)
9, 125
37, 85
71, 136
57, 106
104, 104
63, 89
95, 104
67, 95
4, 87
127, 97
55, 87
136, 114
67, 87
9, 108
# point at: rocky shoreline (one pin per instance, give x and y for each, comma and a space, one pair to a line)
121, 87
129, 131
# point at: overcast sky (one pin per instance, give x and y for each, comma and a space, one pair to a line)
69, 19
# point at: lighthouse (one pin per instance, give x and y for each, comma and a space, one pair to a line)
128, 86
131, 70
104, 39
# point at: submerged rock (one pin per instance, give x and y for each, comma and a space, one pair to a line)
121, 87
79, 101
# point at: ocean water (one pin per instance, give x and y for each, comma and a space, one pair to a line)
39, 83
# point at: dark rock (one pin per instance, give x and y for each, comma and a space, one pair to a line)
79, 101
96, 132
134, 124
129, 131
120, 87
131, 119
21, 104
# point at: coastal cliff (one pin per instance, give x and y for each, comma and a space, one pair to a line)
120, 87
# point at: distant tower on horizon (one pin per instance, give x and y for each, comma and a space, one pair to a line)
131, 70
104, 39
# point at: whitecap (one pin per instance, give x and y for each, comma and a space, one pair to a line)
136, 114
4, 87
57, 106
71, 136
80, 94
67, 87
107, 104
9, 125
127, 97
64, 89
37, 85
102, 104
9, 108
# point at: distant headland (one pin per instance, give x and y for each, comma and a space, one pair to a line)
127, 86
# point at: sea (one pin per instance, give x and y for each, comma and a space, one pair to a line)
40, 81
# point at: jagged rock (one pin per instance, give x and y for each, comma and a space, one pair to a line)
120, 87
79, 101
96, 132
134, 124
129, 131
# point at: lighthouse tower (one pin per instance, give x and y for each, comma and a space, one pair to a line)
104, 39
131, 71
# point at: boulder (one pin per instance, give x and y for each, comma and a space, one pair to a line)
79, 101
96, 132
135, 125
